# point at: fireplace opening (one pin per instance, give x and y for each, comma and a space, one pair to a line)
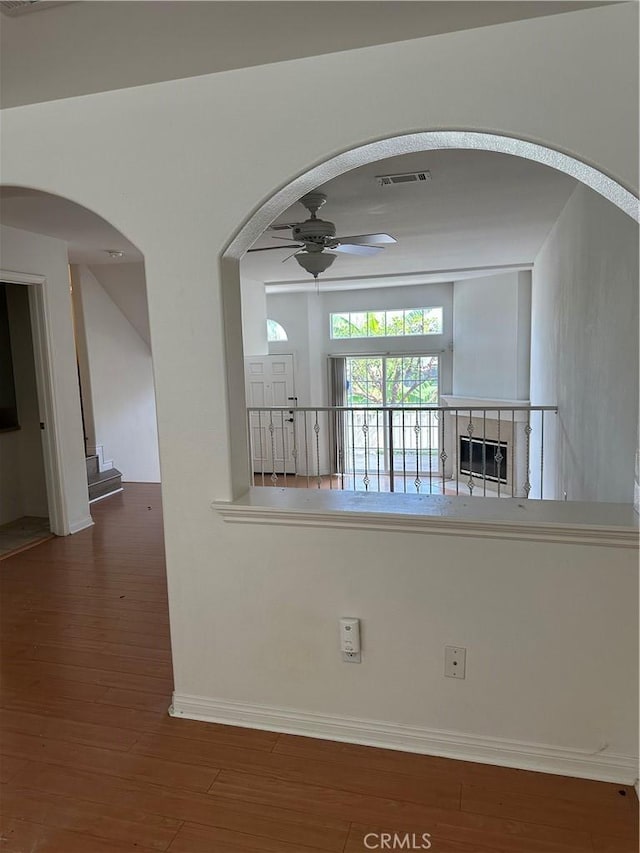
478, 457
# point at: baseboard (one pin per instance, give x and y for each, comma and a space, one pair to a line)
606, 767
77, 526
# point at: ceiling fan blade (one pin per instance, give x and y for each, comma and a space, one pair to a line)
350, 249
282, 226
271, 248
368, 239
288, 258
275, 237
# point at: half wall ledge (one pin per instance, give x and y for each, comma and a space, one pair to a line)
609, 525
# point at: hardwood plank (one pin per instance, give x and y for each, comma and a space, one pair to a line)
51, 686
94, 660
454, 825
201, 839
467, 772
236, 786
613, 844
443, 793
108, 761
145, 701
615, 817
66, 730
21, 836
36, 670
262, 821
103, 821
9, 767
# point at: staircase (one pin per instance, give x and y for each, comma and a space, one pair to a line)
102, 483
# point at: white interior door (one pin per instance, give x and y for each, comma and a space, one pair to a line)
269, 382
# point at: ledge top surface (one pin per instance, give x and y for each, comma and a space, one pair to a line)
444, 508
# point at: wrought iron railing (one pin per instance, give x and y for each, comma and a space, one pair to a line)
488, 451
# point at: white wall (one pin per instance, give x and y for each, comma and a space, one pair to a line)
30, 253
127, 287
584, 354
306, 319
122, 397
23, 489
254, 317
492, 334
567, 81
291, 310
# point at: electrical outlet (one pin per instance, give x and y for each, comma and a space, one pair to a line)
455, 661
350, 640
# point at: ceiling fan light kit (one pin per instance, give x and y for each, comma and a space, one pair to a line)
315, 262
317, 241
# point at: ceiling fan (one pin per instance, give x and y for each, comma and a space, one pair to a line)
317, 241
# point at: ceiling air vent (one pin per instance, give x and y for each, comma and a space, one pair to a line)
13, 8
404, 178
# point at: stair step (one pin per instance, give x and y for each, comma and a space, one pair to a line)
92, 466
104, 483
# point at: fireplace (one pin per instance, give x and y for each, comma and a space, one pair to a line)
484, 458
474, 422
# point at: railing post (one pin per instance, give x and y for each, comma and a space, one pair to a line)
391, 471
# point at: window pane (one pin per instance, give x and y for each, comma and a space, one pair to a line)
412, 381
413, 322
375, 324
275, 332
432, 321
364, 382
395, 323
358, 324
340, 326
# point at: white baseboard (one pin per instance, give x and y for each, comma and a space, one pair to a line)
606, 767
77, 526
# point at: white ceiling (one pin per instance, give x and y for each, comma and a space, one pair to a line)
85, 47
88, 236
480, 211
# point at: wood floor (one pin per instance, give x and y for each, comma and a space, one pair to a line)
91, 763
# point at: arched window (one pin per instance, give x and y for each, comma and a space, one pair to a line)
275, 332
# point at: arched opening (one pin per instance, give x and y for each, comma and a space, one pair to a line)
95, 393
575, 483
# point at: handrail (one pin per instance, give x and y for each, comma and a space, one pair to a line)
466, 409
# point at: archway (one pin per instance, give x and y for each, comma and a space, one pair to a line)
97, 429
583, 173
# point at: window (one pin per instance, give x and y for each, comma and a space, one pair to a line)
410, 442
391, 323
275, 332
406, 380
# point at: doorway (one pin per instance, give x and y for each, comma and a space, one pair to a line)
405, 436
24, 507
